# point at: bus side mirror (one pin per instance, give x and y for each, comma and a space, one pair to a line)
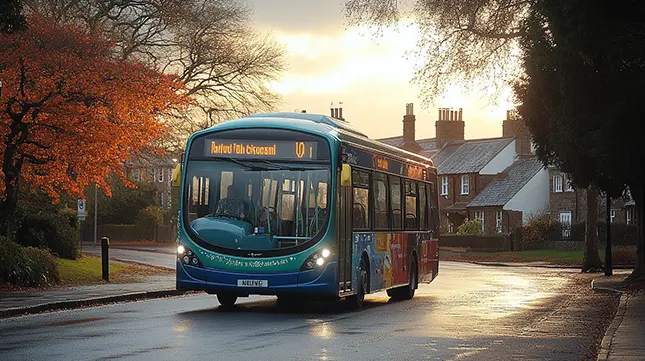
346, 175
176, 176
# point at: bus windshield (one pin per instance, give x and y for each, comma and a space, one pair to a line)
256, 204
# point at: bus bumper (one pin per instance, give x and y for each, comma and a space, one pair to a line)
314, 281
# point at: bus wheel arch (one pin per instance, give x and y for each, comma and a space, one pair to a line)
362, 283
415, 266
366, 259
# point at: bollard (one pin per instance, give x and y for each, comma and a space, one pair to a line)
105, 242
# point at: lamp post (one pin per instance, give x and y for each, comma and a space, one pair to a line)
608, 260
96, 211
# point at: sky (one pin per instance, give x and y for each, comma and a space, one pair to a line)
329, 62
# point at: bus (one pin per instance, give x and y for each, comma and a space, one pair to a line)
300, 205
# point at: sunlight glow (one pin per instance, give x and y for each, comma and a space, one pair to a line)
372, 75
329, 65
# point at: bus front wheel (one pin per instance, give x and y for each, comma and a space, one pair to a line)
358, 299
227, 300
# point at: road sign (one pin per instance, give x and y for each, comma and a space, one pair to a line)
80, 209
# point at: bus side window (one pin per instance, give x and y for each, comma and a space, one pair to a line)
395, 202
360, 203
381, 206
411, 221
423, 209
433, 214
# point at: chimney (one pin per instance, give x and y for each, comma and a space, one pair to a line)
449, 127
409, 142
513, 127
337, 113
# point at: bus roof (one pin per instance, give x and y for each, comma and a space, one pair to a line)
345, 132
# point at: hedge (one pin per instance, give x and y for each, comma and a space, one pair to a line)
26, 266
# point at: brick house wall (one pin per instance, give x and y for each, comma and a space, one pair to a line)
476, 184
510, 219
574, 201
514, 219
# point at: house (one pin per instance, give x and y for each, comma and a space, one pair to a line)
497, 180
513, 197
155, 170
568, 205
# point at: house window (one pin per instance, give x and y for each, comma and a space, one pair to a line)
169, 177
565, 221
557, 184
480, 215
498, 221
137, 175
161, 199
160, 174
612, 215
569, 186
444, 185
630, 215
465, 184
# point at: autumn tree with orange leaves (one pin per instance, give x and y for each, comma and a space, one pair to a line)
71, 113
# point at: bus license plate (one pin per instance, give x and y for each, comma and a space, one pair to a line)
252, 283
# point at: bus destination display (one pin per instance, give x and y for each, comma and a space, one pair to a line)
281, 149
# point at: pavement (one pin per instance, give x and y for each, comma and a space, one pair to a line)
623, 339
16, 303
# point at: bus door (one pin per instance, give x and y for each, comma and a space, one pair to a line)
344, 225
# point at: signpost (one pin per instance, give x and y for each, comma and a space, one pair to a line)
81, 213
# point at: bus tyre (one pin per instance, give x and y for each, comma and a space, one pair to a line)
358, 299
227, 300
410, 289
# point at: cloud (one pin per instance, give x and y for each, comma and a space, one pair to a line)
369, 74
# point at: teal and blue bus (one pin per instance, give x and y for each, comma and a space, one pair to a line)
301, 205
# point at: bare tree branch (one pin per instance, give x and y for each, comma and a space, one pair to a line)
209, 44
463, 42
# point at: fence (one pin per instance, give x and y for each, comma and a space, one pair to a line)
131, 233
573, 238
477, 243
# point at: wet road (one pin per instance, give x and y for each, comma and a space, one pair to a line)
470, 312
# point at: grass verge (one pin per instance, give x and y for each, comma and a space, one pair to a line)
88, 270
620, 256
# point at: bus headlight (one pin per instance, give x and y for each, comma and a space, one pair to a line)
317, 259
188, 257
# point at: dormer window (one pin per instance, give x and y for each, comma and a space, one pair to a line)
465, 185
557, 184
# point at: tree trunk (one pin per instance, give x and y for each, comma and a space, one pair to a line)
591, 262
9, 205
637, 191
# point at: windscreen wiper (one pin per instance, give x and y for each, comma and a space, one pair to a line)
286, 167
245, 165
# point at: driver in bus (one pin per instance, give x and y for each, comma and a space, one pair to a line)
234, 204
